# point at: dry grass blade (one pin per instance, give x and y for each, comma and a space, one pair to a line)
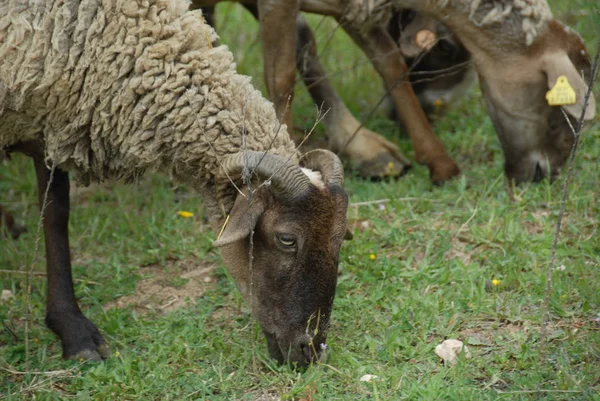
40, 274
565, 194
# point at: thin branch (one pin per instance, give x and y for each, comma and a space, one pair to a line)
565, 195
385, 95
42, 274
537, 391
29, 272
386, 200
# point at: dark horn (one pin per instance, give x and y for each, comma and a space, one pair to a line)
327, 163
287, 180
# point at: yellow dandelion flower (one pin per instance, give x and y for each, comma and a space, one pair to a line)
563, 296
117, 354
438, 103
496, 282
390, 168
185, 214
372, 256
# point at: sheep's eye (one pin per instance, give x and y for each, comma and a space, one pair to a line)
287, 240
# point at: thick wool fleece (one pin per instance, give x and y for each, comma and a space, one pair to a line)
119, 87
516, 20
521, 20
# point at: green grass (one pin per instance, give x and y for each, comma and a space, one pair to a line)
436, 252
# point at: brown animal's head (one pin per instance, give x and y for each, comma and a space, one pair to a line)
536, 138
296, 225
441, 73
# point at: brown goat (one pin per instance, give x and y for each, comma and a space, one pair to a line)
518, 53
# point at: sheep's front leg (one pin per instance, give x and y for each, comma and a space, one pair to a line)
79, 337
385, 56
374, 155
278, 34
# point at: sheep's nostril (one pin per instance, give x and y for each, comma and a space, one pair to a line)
306, 351
539, 174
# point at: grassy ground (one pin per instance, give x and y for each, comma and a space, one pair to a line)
421, 269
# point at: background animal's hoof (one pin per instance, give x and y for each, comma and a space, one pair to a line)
374, 156
443, 172
381, 166
86, 355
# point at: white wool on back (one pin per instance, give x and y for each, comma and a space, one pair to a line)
118, 87
515, 19
363, 15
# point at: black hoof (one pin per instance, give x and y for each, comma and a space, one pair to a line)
80, 338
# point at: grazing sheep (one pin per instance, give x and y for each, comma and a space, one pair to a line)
519, 51
517, 48
109, 89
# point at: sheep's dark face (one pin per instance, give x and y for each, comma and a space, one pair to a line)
290, 286
536, 137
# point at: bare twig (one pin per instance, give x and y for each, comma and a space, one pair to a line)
386, 200
381, 100
537, 391
565, 194
50, 373
29, 272
247, 180
42, 274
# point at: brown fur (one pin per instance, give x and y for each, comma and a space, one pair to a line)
8, 224
515, 46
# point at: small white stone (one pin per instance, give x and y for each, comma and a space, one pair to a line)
6, 295
450, 349
368, 378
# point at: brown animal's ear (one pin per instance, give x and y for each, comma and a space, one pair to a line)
559, 63
242, 219
348, 235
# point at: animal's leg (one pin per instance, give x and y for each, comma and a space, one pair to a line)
278, 35
80, 338
374, 155
385, 56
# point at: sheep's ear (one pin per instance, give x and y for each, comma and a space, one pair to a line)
559, 63
242, 220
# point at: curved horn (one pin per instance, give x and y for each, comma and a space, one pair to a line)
287, 179
327, 163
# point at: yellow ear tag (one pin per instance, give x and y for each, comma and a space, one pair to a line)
562, 93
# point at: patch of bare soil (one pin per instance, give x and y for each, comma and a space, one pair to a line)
168, 287
537, 222
265, 396
461, 250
